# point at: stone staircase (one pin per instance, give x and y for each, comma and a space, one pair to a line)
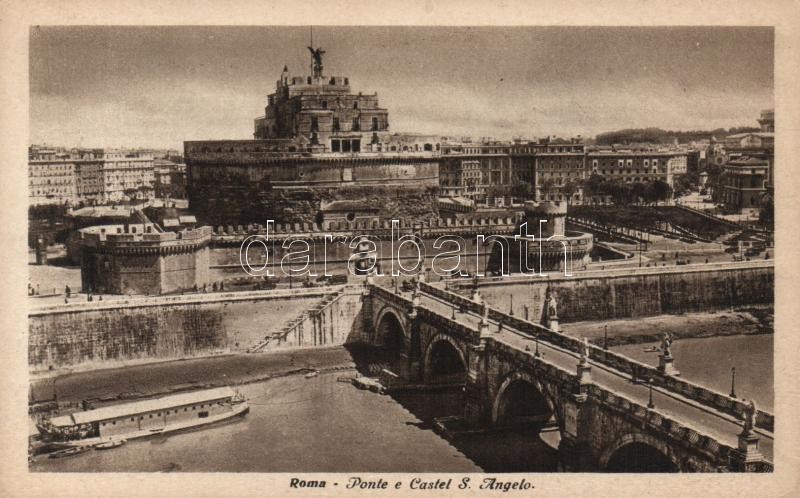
281, 335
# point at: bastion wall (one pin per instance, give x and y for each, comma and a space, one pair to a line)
114, 333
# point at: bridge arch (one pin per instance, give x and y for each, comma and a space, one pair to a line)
444, 360
638, 452
521, 399
390, 329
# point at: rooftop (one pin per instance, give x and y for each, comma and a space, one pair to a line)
144, 406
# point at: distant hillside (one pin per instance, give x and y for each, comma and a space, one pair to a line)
657, 135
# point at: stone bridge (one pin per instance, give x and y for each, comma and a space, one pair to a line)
611, 412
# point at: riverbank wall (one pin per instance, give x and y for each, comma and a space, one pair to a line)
637, 292
85, 336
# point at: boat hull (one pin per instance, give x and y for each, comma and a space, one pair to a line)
237, 410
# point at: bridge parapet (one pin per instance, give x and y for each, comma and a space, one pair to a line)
664, 427
637, 370
387, 295
692, 449
523, 360
442, 322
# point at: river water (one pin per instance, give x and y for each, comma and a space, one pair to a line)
708, 361
321, 425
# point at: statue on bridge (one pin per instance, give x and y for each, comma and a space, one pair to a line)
585, 350
749, 417
666, 342
552, 306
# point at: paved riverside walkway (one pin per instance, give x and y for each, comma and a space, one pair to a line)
722, 427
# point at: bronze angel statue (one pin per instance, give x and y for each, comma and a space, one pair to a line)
317, 55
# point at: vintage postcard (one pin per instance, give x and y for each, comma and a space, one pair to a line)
332, 257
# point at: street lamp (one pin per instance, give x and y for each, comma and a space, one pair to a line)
733, 382
605, 337
650, 403
536, 354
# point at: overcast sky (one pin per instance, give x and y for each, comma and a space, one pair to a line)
159, 86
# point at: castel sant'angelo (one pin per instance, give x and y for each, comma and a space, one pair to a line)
317, 143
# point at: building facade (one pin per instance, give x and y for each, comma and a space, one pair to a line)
744, 182
630, 166
52, 178
558, 176
61, 176
127, 174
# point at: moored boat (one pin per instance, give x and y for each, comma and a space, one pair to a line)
77, 450
111, 443
145, 418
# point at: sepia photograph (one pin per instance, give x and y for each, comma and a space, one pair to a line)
440, 257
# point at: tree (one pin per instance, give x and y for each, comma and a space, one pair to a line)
661, 191
620, 193
638, 191
522, 191
568, 189
766, 213
685, 183
593, 186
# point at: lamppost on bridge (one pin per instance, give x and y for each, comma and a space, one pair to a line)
650, 403
511, 306
733, 382
537, 354
453, 306
605, 337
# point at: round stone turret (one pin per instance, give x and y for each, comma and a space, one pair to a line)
555, 212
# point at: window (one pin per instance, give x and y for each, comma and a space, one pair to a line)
356, 124
355, 105
324, 104
336, 146
314, 123
335, 124
374, 124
